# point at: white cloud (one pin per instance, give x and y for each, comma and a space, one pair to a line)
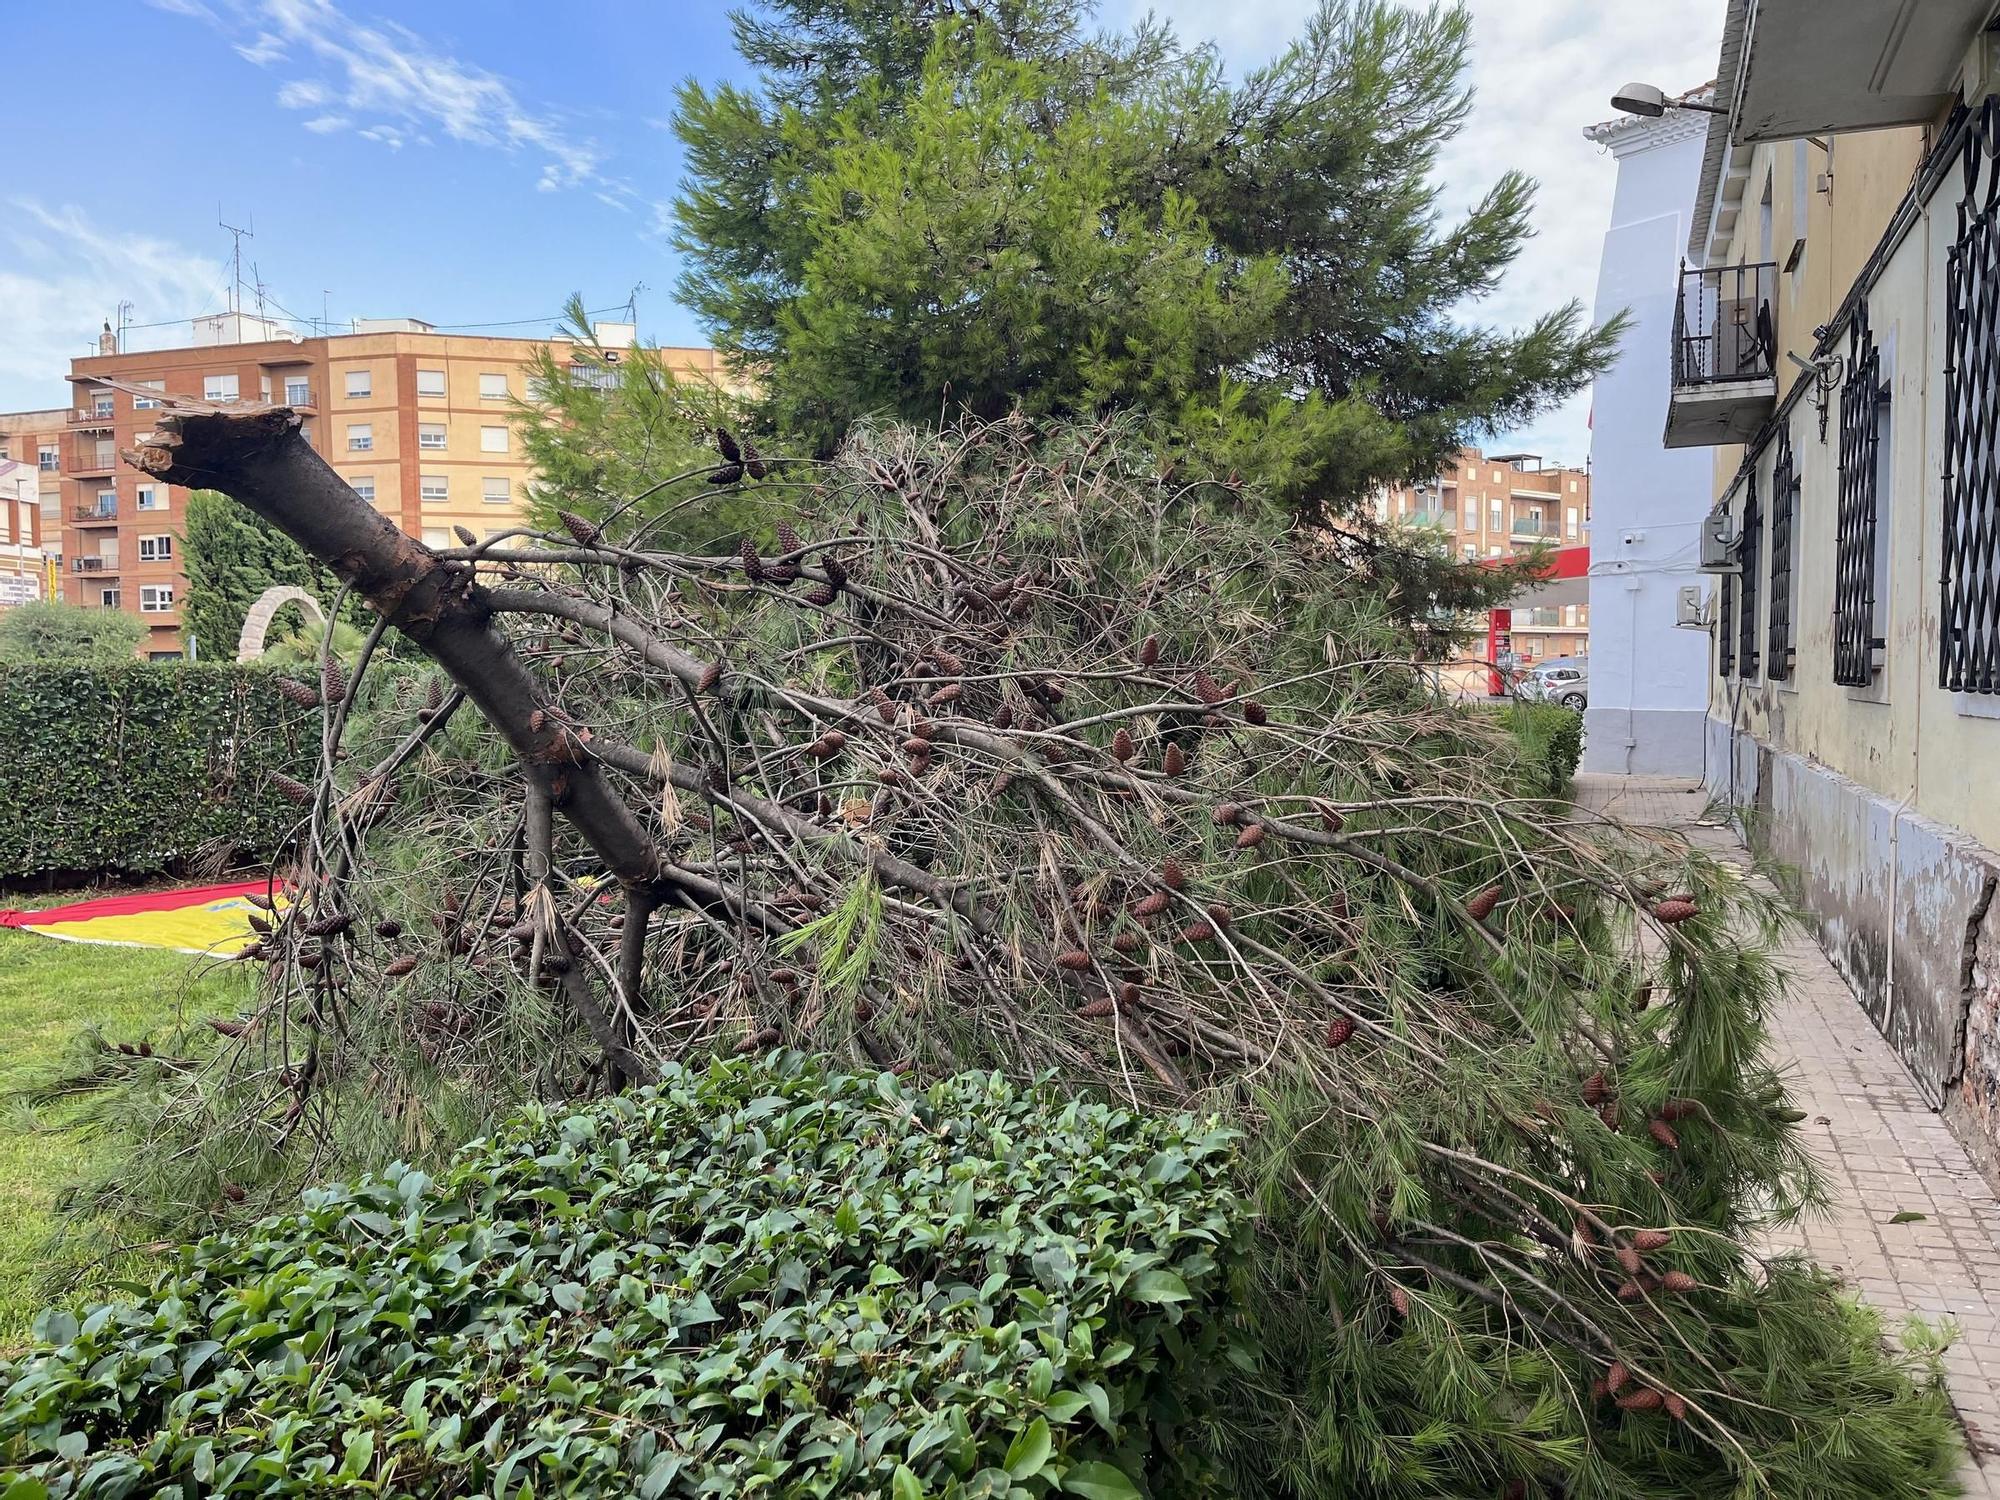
399, 87
61, 277
184, 8
1542, 70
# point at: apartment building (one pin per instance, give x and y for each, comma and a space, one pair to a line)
1836, 347
421, 423
31, 519
1506, 505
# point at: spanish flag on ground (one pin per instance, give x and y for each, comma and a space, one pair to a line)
205, 919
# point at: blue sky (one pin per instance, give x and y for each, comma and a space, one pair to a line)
474, 163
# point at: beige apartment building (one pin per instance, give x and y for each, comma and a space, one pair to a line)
31, 517
421, 423
1836, 344
1504, 505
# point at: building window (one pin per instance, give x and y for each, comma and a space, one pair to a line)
436, 536
218, 387
155, 598
494, 440
107, 503
496, 490
48, 458
1725, 627
298, 391
430, 382
493, 387
430, 435
1969, 600
156, 548
147, 403
1784, 518
360, 437
434, 489
1573, 522
1864, 419
364, 486
360, 384
1749, 551
152, 497
108, 599
1497, 516
100, 401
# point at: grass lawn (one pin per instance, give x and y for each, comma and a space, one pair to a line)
50, 991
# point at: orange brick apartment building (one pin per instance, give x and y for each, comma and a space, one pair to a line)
1498, 506
420, 423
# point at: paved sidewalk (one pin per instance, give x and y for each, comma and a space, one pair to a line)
1884, 1150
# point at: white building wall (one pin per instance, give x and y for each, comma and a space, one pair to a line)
1648, 679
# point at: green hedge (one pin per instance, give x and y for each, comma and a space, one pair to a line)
758, 1278
1551, 740
131, 768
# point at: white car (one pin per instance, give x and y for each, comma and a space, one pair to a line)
1565, 682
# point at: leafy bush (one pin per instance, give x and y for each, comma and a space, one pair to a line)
47, 630
134, 768
749, 1276
1551, 741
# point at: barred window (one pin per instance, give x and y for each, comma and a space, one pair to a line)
1725, 626
1864, 406
1784, 517
1747, 554
1969, 603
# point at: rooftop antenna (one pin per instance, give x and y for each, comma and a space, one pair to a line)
235, 259
632, 302
257, 285
325, 311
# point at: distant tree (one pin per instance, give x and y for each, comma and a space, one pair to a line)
50, 631
917, 207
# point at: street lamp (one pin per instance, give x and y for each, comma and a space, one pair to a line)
1650, 103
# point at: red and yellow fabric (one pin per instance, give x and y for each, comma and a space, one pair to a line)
207, 919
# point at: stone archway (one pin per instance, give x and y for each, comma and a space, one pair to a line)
257, 624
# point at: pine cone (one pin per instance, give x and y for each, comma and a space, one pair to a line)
1173, 763
332, 683
1662, 1132
827, 745
724, 475
948, 662
1226, 814
1649, 1240
820, 595
259, 900
1399, 1298
788, 538
753, 462
298, 692
1097, 1009
1630, 1291
1330, 816
1596, 1089
1151, 906
1128, 994
1678, 1282
1251, 836
585, 530
1122, 748
1198, 932
1220, 915
466, 535
1616, 1376
1253, 713
1340, 1031
296, 790
1628, 1257
753, 565
1608, 1113
388, 928
758, 1041
398, 967
725, 444
1075, 960
1679, 1109
951, 692
1645, 1398
710, 679
1149, 651
1127, 942
433, 694
331, 925
1207, 689
1172, 874
1676, 1406
1675, 910
1480, 907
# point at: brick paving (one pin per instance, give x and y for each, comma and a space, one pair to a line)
1884, 1150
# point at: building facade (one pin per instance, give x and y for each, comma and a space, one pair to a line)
1836, 348
1649, 677
1501, 506
422, 424
31, 545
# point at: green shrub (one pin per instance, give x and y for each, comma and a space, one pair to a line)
133, 768
755, 1277
1551, 741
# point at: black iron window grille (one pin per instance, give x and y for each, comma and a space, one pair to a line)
1862, 403
1784, 516
1747, 553
1725, 627
1969, 598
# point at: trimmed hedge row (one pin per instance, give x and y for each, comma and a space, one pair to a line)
756, 1278
131, 768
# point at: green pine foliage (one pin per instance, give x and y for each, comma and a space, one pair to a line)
916, 209
753, 1276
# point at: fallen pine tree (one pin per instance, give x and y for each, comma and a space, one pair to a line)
1014, 749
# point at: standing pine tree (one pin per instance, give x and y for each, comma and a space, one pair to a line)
921, 206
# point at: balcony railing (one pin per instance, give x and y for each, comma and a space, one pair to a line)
96, 511
1724, 325
92, 416
1725, 355
298, 396
88, 455
94, 564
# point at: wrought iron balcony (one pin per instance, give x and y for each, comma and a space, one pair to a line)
94, 564
92, 416
1725, 352
97, 512
85, 454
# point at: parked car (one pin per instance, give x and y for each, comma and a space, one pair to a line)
1564, 680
